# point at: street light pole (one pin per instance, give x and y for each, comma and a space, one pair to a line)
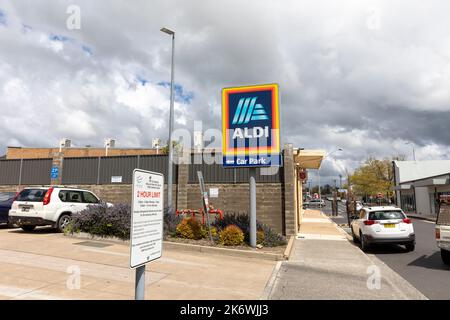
170, 158
318, 170
413, 150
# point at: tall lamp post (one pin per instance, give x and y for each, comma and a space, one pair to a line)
318, 171
170, 158
413, 149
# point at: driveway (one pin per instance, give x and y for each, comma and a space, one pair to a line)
48, 265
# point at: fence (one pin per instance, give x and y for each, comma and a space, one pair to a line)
26, 171
107, 170
118, 170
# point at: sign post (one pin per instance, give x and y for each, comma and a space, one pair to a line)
205, 202
146, 232
251, 134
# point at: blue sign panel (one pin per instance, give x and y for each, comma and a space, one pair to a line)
250, 122
54, 173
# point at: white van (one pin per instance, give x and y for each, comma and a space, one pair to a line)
41, 206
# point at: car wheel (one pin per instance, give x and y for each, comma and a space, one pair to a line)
445, 255
354, 237
28, 228
63, 222
410, 246
364, 244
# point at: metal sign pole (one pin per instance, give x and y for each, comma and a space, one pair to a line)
252, 182
205, 202
139, 289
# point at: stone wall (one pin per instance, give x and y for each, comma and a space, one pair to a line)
235, 198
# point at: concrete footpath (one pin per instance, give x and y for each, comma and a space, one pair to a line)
325, 264
46, 265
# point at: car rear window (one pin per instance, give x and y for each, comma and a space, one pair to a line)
5, 196
386, 215
32, 195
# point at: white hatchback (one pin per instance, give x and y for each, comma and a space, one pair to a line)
383, 225
41, 206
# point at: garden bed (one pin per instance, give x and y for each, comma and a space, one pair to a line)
206, 242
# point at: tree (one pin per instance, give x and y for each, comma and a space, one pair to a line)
373, 177
177, 147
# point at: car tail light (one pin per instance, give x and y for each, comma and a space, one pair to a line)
370, 222
17, 195
438, 234
406, 220
47, 196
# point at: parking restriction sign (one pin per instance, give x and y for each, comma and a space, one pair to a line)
146, 231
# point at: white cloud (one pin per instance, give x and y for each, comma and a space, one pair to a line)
366, 76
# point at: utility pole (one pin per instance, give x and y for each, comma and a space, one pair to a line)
170, 158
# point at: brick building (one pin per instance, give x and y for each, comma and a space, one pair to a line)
40, 153
279, 195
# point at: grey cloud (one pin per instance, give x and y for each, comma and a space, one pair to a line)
342, 83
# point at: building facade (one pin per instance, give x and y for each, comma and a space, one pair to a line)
420, 184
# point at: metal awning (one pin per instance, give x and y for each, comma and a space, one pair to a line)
432, 182
403, 187
308, 159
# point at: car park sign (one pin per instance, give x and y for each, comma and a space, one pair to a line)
250, 126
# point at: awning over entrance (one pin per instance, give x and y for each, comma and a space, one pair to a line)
432, 182
308, 159
403, 187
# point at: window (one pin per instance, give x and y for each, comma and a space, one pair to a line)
32, 195
89, 197
408, 203
6, 196
386, 215
70, 196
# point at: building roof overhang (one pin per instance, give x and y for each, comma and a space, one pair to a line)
308, 159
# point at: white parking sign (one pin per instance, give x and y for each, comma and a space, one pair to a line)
146, 232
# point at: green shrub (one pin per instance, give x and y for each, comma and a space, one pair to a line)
189, 228
260, 237
231, 236
205, 232
242, 220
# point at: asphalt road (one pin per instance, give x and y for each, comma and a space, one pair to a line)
423, 268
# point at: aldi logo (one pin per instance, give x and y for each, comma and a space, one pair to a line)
250, 121
248, 111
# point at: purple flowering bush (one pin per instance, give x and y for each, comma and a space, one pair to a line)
104, 221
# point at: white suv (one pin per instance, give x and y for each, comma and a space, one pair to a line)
378, 225
53, 206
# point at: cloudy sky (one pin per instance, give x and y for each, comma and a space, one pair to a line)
366, 76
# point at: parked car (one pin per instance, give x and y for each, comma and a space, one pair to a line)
383, 225
315, 203
443, 232
49, 206
6, 200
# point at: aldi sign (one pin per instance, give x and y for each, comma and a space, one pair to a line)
250, 126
